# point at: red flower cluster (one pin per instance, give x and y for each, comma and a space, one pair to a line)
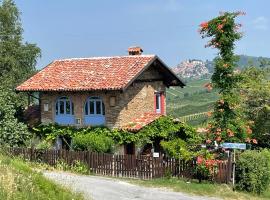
209, 163
254, 141
204, 25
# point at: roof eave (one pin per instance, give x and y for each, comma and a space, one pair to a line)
180, 82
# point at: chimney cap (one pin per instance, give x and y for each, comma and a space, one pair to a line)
135, 50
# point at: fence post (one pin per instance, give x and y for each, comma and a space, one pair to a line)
31, 154
113, 164
229, 168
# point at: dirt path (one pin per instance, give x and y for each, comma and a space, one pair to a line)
100, 188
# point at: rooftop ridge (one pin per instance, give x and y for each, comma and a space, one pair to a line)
104, 57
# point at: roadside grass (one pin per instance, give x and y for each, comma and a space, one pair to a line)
192, 187
222, 191
19, 182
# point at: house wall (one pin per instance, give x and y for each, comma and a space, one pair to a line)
137, 99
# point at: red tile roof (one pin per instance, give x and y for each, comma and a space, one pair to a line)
138, 123
84, 74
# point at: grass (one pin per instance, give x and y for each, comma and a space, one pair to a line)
19, 182
200, 189
178, 185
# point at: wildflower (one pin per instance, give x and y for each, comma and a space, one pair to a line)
220, 26
218, 133
218, 129
225, 65
249, 130
230, 133
218, 139
254, 141
209, 114
199, 160
248, 140
208, 141
204, 25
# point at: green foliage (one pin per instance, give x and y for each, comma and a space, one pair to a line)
17, 59
101, 139
51, 131
228, 121
198, 100
181, 141
253, 171
93, 141
62, 165
12, 132
76, 167
18, 181
44, 145
255, 96
79, 167
177, 148
17, 62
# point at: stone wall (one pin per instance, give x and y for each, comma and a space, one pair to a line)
137, 99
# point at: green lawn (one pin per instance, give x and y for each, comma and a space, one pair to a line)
202, 189
19, 182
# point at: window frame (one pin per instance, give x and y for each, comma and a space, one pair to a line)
158, 102
65, 100
159, 99
94, 99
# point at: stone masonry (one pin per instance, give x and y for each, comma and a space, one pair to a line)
136, 100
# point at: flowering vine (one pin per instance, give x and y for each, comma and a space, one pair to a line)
228, 124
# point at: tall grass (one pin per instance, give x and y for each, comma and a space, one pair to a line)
19, 182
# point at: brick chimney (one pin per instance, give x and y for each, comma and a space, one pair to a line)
135, 50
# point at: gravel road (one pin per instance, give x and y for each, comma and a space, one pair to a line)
100, 188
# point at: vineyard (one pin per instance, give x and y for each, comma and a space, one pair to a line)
191, 104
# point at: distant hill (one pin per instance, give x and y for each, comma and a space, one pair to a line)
197, 69
194, 100
192, 69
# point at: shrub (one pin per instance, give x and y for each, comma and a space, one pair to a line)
93, 142
253, 171
79, 167
44, 145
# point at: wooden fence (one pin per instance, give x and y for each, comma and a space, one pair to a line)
143, 167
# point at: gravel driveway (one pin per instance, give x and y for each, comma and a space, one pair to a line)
100, 188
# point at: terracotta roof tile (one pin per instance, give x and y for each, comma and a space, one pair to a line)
138, 123
84, 74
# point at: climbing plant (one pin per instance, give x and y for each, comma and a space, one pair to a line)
228, 122
177, 138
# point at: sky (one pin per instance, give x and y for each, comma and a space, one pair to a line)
167, 28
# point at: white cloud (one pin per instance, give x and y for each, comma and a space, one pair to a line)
260, 23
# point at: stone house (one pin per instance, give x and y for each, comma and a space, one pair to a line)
126, 92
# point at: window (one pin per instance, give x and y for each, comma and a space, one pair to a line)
64, 106
158, 102
94, 106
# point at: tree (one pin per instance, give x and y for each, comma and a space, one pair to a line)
17, 62
12, 132
228, 123
255, 90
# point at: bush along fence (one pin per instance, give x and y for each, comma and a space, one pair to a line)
131, 166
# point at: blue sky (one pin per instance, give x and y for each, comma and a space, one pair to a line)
168, 28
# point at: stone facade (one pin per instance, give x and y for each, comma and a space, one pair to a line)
136, 100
